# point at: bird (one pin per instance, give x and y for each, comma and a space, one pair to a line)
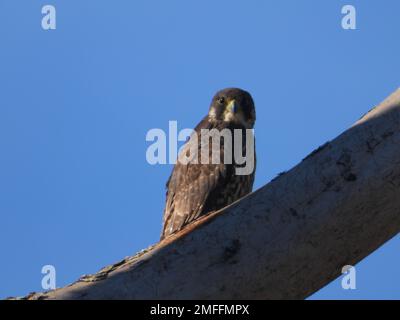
195, 187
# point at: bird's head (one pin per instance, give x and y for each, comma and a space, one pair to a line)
234, 106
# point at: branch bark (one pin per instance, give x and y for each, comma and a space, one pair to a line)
284, 241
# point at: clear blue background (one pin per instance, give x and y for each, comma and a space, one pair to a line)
76, 104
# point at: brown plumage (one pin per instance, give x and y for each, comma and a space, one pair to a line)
195, 189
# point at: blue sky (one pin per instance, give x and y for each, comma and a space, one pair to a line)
76, 104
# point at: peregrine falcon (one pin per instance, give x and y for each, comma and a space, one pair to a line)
196, 188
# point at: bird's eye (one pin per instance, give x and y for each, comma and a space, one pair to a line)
221, 100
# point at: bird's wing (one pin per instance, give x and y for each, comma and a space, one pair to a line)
188, 189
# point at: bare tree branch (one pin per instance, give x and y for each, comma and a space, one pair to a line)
284, 241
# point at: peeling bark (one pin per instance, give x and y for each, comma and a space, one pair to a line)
284, 241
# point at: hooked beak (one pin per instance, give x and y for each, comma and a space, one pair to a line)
232, 106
